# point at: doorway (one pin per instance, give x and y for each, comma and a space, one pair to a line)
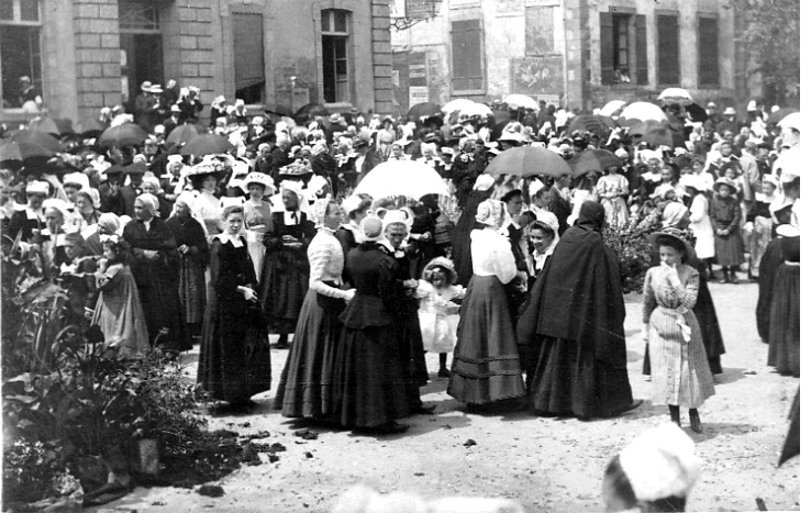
141, 59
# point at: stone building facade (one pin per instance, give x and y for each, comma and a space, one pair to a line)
86, 54
577, 53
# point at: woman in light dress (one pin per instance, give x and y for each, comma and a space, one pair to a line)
612, 189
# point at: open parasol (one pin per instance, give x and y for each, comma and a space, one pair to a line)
207, 144
126, 134
522, 100
779, 115
424, 109
675, 95
599, 125
529, 161
401, 178
593, 161
641, 111
477, 109
36, 144
309, 111
457, 105
613, 107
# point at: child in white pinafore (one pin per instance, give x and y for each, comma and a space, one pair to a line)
439, 315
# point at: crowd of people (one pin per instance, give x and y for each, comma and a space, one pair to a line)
510, 274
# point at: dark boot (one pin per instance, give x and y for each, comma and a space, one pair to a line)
283, 341
695, 421
724, 275
733, 275
675, 415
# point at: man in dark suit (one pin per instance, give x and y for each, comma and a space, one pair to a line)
367, 158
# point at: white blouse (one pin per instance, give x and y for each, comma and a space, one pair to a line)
492, 255
326, 262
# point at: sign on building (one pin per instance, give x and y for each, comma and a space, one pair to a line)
534, 76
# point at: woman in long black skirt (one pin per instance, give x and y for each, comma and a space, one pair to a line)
305, 388
369, 383
234, 351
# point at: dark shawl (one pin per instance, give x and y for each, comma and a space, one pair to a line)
187, 230
578, 294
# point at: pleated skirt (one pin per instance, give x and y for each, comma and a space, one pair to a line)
486, 362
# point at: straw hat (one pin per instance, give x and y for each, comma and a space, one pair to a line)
261, 179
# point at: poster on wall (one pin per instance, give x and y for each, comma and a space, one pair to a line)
509, 5
537, 75
417, 95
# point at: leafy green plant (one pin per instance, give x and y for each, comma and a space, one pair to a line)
634, 256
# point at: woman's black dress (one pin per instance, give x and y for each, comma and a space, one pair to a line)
234, 351
157, 281
285, 276
369, 383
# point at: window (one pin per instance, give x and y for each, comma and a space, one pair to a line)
137, 16
249, 74
336, 50
708, 71
467, 55
20, 51
624, 57
667, 30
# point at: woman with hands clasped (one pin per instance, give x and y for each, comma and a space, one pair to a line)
235, 351
305, 388
679, 367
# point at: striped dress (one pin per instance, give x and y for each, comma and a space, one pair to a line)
679, 368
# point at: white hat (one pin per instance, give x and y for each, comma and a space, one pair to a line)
792, 120
371, 228
729, 111
787, 230
351, 204
316, 184
661, 463
621, 153
261, 179
38, 187
484, 182
79, 179
751, 107
535, 187
156, 89
400, 216
172, 159
146, 85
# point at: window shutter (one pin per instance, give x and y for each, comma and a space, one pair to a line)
668, 49
641, 47
466, 41
708, 72
607, 49
248, 49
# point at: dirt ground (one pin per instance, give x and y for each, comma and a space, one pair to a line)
548, 465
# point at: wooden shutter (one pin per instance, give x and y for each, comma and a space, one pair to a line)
667, 28
641, 48
248, 49
467, 58
708, 71
607, 49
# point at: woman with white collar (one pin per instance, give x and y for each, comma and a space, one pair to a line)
285, 274
234, 361
305, 387
29, 218
354, 209
486, 363
258, 214
544, 234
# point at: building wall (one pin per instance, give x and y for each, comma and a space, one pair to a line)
81, 52
513, 65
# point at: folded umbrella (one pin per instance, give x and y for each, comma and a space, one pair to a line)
207, 144
529, 161
593, 161
126, 134
401, 178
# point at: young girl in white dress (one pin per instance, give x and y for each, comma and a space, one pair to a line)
439, 315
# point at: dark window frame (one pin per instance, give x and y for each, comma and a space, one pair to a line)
664, 68
709, 65
464, 27
337, 40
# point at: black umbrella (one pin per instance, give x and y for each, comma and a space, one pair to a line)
90, 127
779, 115
593, 161
277, 108
600, 125
309, 111
126, 134
424, 109
207, 144
36, 144
185, 133
44, 124
696, 113
64, 126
